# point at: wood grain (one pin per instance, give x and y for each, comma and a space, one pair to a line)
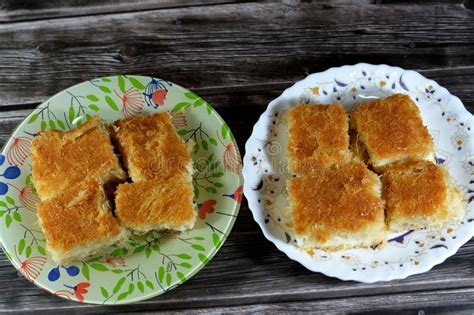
239, 56
235, 44
27, 10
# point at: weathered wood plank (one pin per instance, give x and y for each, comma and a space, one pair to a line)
216, 46
15, 11
249, 269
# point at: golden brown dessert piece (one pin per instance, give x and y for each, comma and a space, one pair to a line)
391, 130
63, 159
78, 222
156, 205
420, 194
161, 195
317, 137
337, 207
150, 147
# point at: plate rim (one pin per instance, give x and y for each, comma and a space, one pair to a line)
293, 252
196, 268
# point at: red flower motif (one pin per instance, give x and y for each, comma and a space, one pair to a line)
80, 289
178, 120
32, 267
237, 195
28, 198
19, 150
132, 102
206, 207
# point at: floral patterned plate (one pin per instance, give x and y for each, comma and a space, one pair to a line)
407, 253
154, 263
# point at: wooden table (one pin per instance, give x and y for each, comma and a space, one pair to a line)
238, 56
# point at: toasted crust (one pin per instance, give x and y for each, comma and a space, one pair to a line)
392, 130
150, 147
318, 137
62, 159
156, 205
420, 194
337, 207
78, 222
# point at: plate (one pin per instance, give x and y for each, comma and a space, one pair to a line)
156, 262
407, 253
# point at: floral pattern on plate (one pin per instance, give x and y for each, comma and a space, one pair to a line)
407, 253
153, 263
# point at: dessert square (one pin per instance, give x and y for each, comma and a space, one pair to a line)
337, 207
318, 137
391, 130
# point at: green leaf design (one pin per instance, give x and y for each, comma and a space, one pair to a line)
168, 279
61, 124
52, 125
218, 185
199, 238
196, 191
121, 83
220, 174
99, 267
137, 84
149, 284
156, 247
41, 250
139, 249
117, 271
8, 220
85, 271
224, 130
3, 204
33, 118
106, 79
17, 216
182, 132
180, 106
161, 273
2, 213
104, 292
148, 252
209, 109
181, 276
213, 141
215, 165
94, 107
191, 95
140, 286
43, 125
131, 288
215, 239
21, 246
105, 89
198, 247
204, 144
118, 285
203, 258
28, 251
198, 103
88, 116
71, 114
10, 200
211, 190
119, 252
185, 265
184, 256
94, 259
111, 103
93, 98
122, 296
